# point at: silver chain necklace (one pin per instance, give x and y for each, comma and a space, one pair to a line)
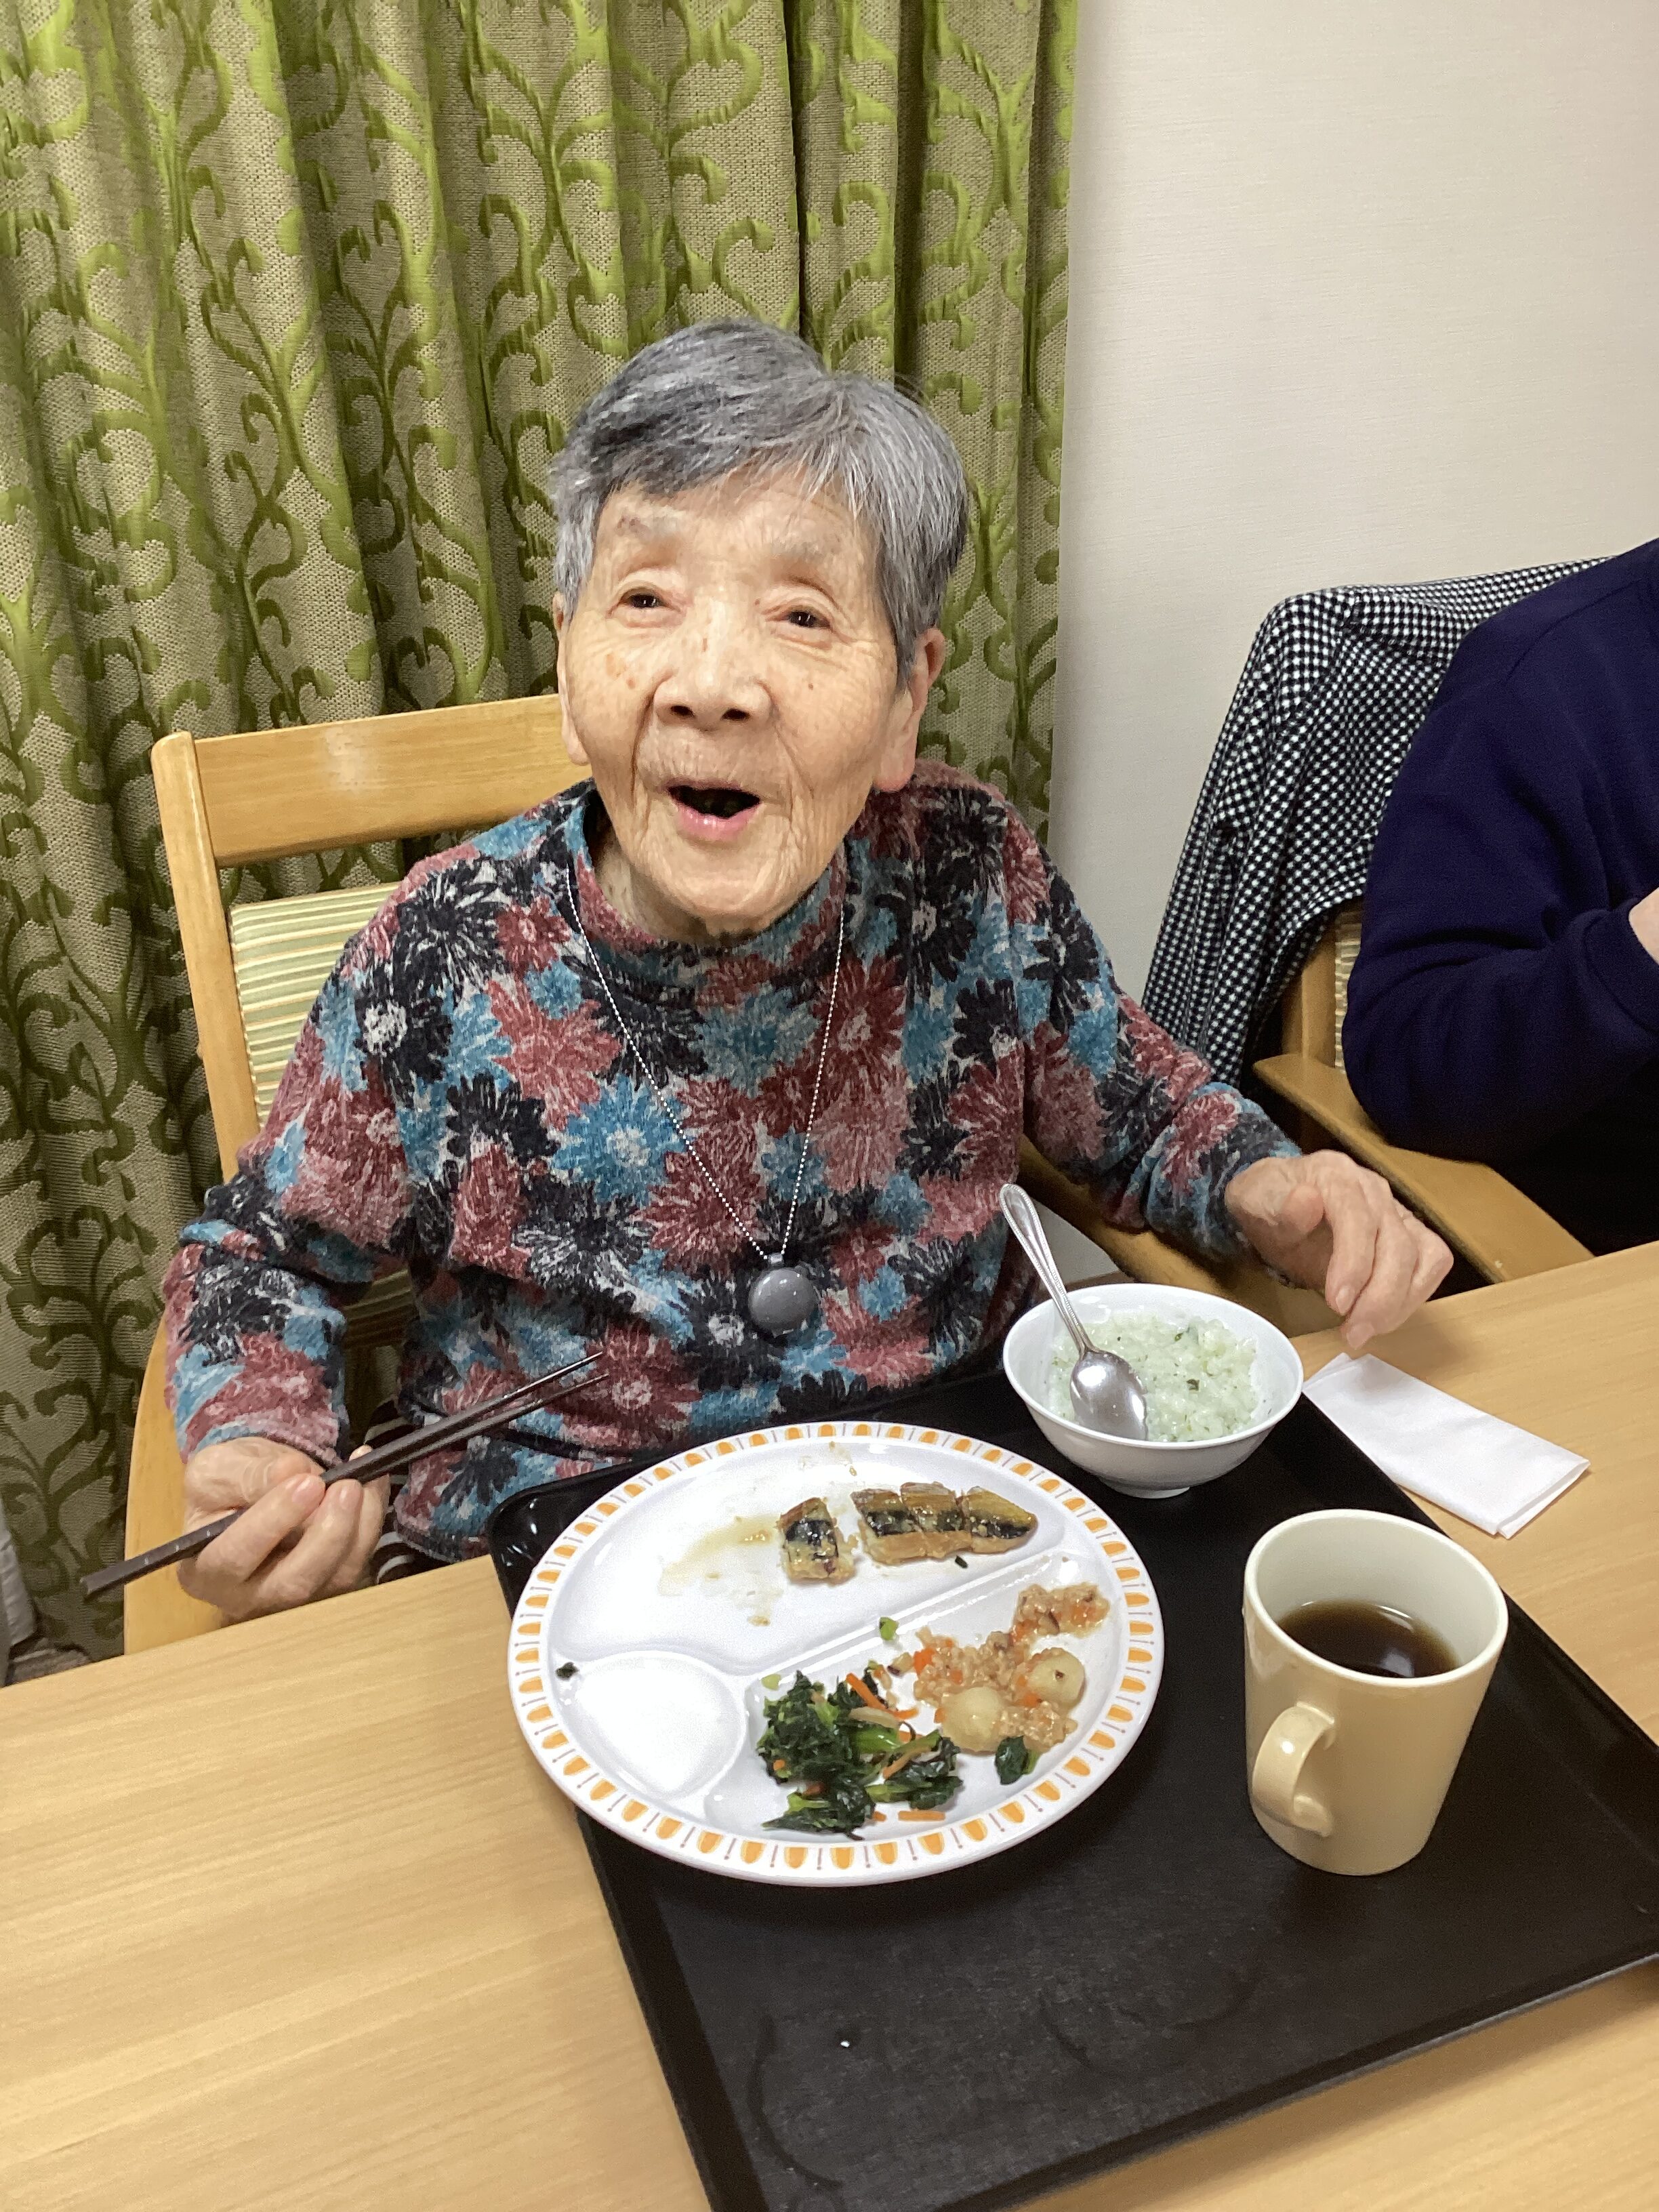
781, 1298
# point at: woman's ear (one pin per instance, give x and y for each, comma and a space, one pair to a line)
898, 754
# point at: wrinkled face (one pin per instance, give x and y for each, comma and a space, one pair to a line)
727, 676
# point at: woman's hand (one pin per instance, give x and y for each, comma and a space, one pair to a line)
299, 1539
1324, 1220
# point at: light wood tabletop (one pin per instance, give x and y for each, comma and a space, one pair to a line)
288, 1917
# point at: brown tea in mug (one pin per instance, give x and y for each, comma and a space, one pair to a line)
1371, 1640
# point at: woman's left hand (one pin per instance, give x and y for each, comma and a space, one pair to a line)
1324, 1220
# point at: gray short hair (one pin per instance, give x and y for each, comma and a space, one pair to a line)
716, 397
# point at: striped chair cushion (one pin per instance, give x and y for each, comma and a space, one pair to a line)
281, 950
1347, 952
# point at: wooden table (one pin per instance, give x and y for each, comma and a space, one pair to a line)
289, 1920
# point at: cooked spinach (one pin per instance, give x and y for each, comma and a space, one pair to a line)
928, 1781
1015, 1758
832, 1749
838, 1812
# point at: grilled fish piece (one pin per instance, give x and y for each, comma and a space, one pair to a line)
812, 1549
994, 1524
939, 1517
890, 1531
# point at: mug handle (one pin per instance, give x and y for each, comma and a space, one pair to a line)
1278, 1770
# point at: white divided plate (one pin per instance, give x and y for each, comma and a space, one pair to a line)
640, 1644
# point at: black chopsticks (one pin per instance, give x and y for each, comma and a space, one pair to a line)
489, 1414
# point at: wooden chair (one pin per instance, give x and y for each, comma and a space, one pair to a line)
272, 793
229, 802
1499, 1231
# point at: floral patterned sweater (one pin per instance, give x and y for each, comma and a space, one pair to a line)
461, 1102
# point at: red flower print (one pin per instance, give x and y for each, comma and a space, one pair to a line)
1199, 1128
351, 1175
279, 1393
859, 1253
428, 1478
866, 1045
1064, 1114
374, 941
1024, 877
559, 1060
687, 1223
960, 1209
1156, 1055
486, 1212
885, 1355
531, 936
642, 1396
989, 1107
785, 1096
863, 1107
293, 1090
858, 1132
735, 979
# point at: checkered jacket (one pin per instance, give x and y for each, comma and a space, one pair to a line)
1337, 685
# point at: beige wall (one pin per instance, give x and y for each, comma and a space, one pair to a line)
1359, 293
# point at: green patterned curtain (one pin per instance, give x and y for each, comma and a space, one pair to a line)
296, 299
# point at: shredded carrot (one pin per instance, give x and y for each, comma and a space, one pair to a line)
877, 1710
910, 1813
780, 1766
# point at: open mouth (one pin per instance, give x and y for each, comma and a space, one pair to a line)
718, 802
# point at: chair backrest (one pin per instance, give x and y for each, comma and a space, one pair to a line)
1337, 685
228, 802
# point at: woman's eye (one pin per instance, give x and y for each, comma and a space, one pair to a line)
804, 618
642, 599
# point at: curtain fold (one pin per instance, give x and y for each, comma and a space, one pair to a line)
297, 298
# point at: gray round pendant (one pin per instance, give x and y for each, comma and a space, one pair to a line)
781, 1300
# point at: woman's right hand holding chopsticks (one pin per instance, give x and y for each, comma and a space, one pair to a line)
297, 1540
295, 1545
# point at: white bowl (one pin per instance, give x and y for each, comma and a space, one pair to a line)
1147, 1470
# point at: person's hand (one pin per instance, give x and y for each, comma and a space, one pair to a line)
1324, 1220
1644, 921
298, 1540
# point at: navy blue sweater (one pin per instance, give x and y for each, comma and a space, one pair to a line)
1502, 1008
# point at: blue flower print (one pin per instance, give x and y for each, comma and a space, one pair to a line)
337, 1032
884, 1295
765, 1031
477, 1043
617, 1144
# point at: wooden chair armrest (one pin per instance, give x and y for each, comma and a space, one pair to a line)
1497, 1228
156, 1610
1147, 1257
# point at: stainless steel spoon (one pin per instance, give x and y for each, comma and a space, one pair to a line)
1106, 1392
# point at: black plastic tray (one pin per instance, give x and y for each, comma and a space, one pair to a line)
1152, 1966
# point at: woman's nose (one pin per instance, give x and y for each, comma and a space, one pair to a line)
713, 680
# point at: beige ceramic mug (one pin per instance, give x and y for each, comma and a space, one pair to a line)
1348, 1770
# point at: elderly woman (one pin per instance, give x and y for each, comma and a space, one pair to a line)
716, 1064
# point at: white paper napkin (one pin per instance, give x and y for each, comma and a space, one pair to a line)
1483, 1469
